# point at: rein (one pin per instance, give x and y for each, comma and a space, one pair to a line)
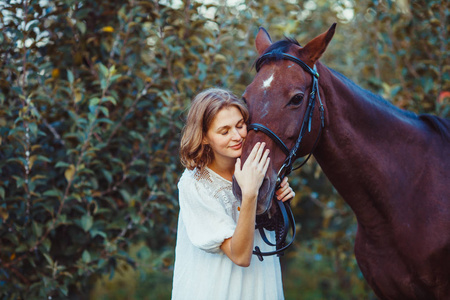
291, 155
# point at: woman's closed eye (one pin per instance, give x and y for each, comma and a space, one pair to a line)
240, 125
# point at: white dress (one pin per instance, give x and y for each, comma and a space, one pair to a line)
208, 216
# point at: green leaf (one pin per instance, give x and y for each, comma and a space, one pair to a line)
81, 27
95, 232
109, 99
53, 193
63, 289
43, 158
62, 164
114, 78
86, 222
103, 70
86, 256
94, 101
107, 175
144, 253
37, 229
48, 258
47, 244
125, 195
70, 76
104, 110
32, 25
103, 84
22, 247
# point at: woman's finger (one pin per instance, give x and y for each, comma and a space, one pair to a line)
259, 153
264, 157
252, 154
237, 166
283, 183
282, 193
283, 186
289, 196
266, 164
286, 195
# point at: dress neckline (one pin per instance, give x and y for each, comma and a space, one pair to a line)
217, 175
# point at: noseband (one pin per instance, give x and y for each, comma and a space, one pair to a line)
291, 155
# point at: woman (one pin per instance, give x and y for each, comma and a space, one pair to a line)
216, 233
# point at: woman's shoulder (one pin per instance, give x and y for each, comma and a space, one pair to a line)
206, 184
204, 178
199, 175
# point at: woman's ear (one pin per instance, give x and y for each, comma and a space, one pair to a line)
205, 141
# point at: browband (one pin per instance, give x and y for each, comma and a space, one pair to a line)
275, 55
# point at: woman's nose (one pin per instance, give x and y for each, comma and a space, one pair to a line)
236, 134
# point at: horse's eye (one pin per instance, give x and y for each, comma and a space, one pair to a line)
245, 100
296, 100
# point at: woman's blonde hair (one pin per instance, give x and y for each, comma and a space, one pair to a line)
204, 108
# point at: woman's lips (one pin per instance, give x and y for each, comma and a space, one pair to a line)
237, 147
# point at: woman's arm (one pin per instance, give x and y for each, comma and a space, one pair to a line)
239, 247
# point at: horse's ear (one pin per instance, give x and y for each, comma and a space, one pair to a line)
262, 41
317, 46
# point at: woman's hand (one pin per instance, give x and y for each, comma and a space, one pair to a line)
285, 192
251, 176
239, 247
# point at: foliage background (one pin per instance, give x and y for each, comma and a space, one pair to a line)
93, 96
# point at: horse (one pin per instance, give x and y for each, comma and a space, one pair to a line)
391, 166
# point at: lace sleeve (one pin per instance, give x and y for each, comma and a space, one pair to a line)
206, 220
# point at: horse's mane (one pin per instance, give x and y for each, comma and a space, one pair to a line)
281, 46
442, 126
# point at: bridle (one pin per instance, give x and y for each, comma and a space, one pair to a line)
291, 155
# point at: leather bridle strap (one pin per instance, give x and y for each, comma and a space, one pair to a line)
286, 56
284, 208
273, 136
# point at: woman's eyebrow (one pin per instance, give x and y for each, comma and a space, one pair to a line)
228, 126
223, 127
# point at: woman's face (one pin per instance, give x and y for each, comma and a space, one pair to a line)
227, 133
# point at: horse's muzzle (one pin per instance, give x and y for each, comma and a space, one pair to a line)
265, 194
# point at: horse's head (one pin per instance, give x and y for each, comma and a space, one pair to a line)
278, 99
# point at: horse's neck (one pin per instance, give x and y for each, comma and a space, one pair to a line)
358, 150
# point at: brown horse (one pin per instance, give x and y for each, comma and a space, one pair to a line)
391, 166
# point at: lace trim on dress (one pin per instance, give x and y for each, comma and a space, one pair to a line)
202, 174
219, 188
